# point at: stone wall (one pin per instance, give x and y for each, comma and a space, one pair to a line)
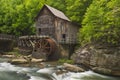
66, 50
100, 58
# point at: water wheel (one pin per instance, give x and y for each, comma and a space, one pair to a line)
38, 46
43, 48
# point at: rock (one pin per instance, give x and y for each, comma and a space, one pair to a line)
102, 70
8, 56
115, 73
18, 61
82, 56
73, 68
106, 71
101, 58
23, 61
59, 72
37, 60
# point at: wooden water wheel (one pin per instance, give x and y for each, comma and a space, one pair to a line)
45, 46
41, 46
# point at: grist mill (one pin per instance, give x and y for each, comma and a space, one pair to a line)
56, 36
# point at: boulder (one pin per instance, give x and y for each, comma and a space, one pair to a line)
102, 70
73, 68
24, 61
18, 61
100, 58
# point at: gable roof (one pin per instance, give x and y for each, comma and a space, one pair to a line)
55, 12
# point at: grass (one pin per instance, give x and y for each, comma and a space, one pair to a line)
64, 60
14, 52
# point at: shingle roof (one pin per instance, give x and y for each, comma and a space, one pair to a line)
57, 13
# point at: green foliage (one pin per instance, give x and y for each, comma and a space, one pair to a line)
101, 22
58, 4
14, 52
100, 19
76, 9
65, 61
17, 16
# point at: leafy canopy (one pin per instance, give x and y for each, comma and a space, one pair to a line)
76, 9
101, 22
17, 16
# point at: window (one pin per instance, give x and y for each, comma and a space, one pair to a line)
64, 37
39, 30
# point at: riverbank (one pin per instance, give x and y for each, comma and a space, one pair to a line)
15, 72
27, 61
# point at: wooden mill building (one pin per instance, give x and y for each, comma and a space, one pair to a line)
52, 22
55, 35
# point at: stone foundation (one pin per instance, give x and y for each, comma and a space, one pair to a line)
66, 50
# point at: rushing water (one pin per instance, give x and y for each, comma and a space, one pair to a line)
12, 72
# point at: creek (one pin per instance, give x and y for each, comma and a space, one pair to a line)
13, 72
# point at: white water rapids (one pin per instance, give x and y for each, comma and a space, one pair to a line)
12, 72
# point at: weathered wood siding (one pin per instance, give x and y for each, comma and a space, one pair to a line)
45, 24
66, 32
61, 30
72, 33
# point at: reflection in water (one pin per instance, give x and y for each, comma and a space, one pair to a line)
11, 72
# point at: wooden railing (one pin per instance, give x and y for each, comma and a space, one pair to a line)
68, 41
7, 37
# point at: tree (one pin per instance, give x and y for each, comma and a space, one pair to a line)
58, 4
26, 12
101, 23
76, 9
17, 16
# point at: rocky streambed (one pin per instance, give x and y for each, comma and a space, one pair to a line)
99, 58
28, 61
48, 72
